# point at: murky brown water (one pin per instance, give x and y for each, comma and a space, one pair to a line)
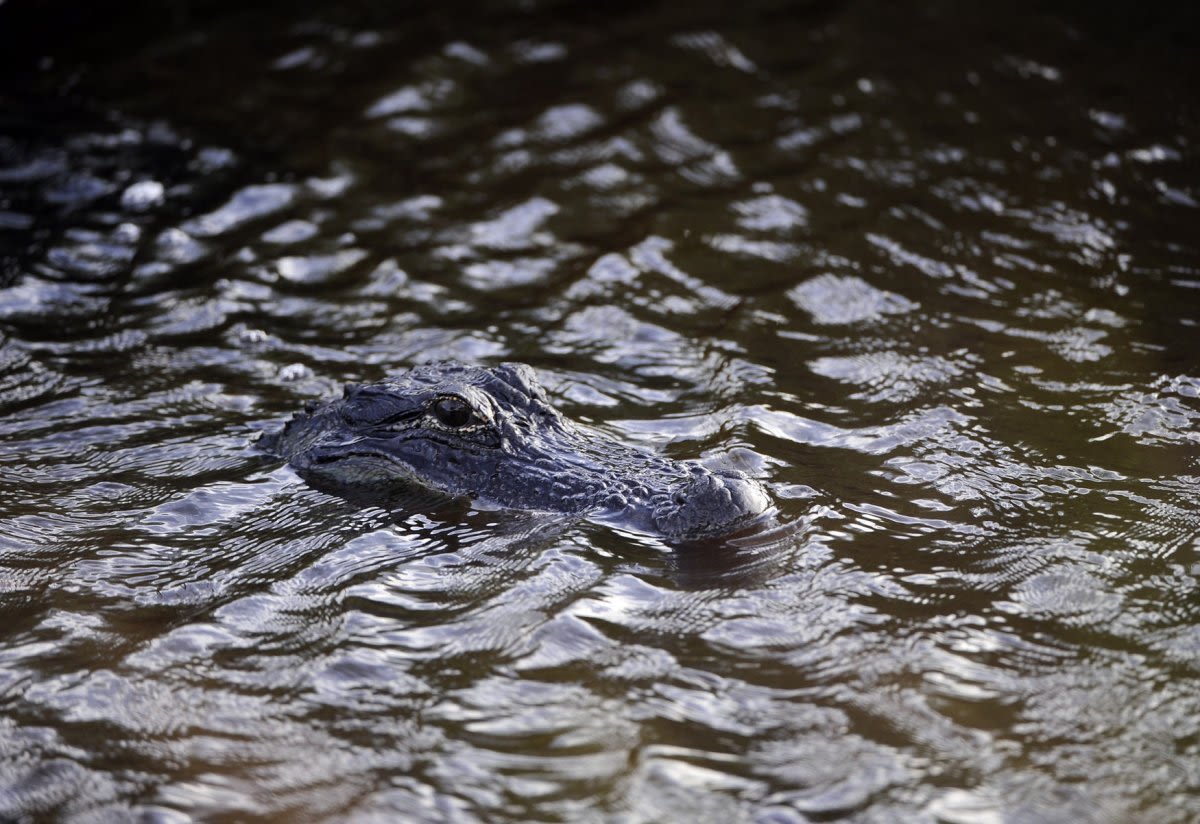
931, 274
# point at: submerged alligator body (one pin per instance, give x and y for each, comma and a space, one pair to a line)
492, 435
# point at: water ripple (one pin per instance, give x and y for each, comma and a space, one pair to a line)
943, 308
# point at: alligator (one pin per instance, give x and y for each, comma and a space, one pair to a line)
491, 434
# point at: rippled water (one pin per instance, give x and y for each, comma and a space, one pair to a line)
930, 274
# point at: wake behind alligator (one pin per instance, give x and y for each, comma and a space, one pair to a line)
492, 435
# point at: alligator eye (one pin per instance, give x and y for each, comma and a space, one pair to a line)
453, 412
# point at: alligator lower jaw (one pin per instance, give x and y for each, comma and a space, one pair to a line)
724, 531
690, 523
641, 522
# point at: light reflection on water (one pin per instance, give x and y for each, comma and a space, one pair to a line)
938, 292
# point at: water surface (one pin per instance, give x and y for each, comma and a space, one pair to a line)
931, 274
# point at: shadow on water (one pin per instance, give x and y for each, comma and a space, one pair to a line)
745, 559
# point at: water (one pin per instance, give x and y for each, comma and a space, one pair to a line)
931, 274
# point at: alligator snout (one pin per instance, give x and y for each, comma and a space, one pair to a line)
710, 503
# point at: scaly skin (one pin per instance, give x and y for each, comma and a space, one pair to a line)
492, 435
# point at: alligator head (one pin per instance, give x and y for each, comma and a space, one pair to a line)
492, 435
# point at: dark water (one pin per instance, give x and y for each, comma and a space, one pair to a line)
931, 273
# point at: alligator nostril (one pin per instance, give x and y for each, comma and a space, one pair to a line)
616, 502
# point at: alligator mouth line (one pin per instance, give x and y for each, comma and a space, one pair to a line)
323, 462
